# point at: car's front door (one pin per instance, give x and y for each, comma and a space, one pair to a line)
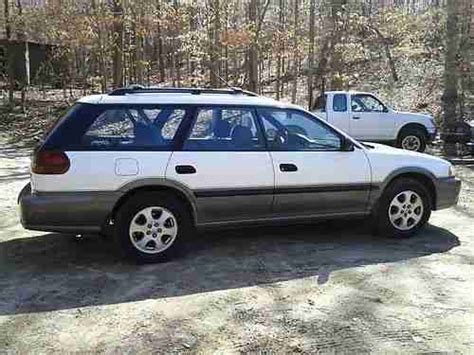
225, 163
370, 119
313, 173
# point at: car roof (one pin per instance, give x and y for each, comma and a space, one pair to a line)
349, 92
186, 98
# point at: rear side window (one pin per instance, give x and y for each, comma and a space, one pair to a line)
339, 103
224, 129
118, 128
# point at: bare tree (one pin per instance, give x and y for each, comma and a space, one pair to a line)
118, 43
214, 44
280, 48
252, 60
450, 94
9, 55
312, 10
295, 52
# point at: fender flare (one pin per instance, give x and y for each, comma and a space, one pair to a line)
159, 183
398, 173
414, 125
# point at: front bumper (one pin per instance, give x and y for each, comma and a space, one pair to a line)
447, 192
431, 137
69, 212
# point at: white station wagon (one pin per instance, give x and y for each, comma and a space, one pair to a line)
152, 164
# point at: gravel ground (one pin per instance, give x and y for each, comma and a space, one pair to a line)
317, 288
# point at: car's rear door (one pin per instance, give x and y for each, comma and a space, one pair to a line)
224, 162
338, 113
313, 174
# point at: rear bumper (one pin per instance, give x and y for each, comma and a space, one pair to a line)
447, 192
70, 212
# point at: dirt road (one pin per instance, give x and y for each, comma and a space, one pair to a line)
326, 287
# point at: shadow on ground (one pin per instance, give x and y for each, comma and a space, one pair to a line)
54, 272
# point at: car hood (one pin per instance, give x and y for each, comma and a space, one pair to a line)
386, 158
415, 116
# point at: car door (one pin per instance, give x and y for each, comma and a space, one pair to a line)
338, 112
313, 173
224, 162
370, 119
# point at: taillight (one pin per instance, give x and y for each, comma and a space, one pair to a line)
50, 162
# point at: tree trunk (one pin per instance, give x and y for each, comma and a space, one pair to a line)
10, 56
295, 54
449, 98
312, 10
252, 60
280, 64
214, 45
329, 42
160, 54
118, 43
388, 53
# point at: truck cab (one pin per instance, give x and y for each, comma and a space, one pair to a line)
366, 117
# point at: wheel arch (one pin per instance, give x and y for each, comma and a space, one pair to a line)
412, 125
422, 175
182, 192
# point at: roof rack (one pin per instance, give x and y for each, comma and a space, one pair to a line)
138, 89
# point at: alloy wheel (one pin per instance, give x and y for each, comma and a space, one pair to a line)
153, 229
406, 210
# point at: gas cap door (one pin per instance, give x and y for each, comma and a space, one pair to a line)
126, 167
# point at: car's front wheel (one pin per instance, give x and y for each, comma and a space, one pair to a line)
151, 226
403, 209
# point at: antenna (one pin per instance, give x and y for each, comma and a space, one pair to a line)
233, 88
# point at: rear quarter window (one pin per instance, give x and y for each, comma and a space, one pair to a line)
104, 127
339, 103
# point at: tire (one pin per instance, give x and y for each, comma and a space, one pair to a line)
152, 227
412, 139
407, 195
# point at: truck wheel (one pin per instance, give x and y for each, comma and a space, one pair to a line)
412, 139
403, 209
152, 226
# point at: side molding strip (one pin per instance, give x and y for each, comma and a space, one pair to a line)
284, 190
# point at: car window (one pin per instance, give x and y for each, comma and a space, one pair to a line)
134, 127
224, 129
294, 130
339, 103
366, 103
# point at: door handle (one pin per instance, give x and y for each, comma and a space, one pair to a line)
286, 168
185, 169
355, 117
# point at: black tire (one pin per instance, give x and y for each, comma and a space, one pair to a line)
144, 200
415, 134
382, 222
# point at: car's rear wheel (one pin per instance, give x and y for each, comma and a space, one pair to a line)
151, 227
403, 209
412, 139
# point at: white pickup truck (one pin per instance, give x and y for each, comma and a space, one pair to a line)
365, 117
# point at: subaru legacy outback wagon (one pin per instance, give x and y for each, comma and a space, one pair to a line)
153, 164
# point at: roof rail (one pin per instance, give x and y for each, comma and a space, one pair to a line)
139, 89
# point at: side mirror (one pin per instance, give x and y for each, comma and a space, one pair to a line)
347, 145
385, 109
